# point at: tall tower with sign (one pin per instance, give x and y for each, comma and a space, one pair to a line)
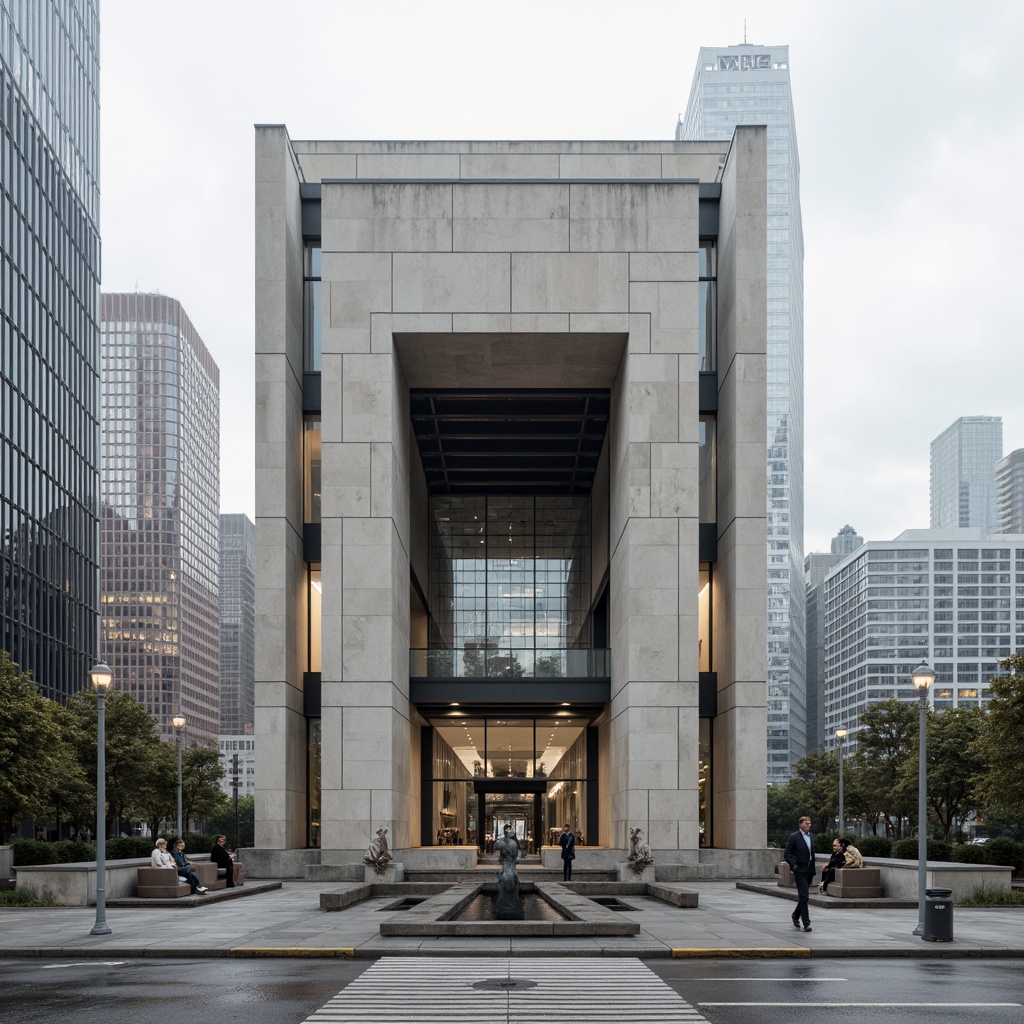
750, 84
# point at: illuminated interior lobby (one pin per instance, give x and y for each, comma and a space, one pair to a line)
510, 498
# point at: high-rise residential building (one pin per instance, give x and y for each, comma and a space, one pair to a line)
963, 473
1010, 493
49, 340
238, 752
947, 597
160, 521
745, 85
237, 624
510, 537
817, 566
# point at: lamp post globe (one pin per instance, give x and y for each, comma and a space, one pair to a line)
922, 677
178, 721
101, 678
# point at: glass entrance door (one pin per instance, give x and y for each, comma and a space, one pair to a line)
521, 811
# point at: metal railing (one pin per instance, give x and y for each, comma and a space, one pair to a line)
510, 663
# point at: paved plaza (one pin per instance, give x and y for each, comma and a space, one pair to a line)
289, 922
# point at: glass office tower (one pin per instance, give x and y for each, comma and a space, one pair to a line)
963, 474
160, 550
49, 339
237, 623
750, 84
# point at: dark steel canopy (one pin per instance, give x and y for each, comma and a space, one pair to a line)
510, 441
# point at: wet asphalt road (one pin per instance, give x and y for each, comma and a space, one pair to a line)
139, 991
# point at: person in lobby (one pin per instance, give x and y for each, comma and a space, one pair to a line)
185, 869
222, 857
567, 841
799, 855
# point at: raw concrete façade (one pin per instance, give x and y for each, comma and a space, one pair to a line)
391, 273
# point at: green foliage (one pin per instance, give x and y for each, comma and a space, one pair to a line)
37, 851
129, 847
968, 853
875, 846
886, 742
906, 849
981, 897
783, 813
132, 744
955, 763
1004, 726
201, 774
24, 897
29, 736
222, 821
1005, 851
999, 822
815, 787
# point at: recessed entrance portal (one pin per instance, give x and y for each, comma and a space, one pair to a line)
529, 773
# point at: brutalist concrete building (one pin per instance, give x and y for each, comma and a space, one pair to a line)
510, 498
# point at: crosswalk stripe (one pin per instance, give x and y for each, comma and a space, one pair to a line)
422, 990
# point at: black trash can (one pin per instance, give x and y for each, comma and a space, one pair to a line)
938, 915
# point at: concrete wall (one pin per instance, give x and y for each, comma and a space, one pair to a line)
536, 279
739, 593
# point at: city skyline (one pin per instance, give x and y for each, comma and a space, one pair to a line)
890, 302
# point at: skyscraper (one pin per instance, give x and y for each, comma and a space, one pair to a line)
160, 521
49, 354
237, 624
750, 84
963, 473
817, 566
1010, 488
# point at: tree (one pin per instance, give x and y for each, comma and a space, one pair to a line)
159, 800
784, 812
68, 795
815, 785
132, 744
29, 734
886, 743
201, 772
222, 820
1003, 784
955, 764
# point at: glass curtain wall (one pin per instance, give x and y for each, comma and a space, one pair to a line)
509, 582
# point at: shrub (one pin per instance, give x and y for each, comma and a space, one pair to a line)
127, 847
72, 851
1005, 851
906, 849
823, 842
875, 846
968, 853
33, 851
25, 897
981, 897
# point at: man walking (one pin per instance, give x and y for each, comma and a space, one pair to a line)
799, 855
567, 841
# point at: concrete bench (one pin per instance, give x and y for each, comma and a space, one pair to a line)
786, 879
222, 875
160, 884
856, 883
154, 883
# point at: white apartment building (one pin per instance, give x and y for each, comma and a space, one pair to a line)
952, 598
245, 749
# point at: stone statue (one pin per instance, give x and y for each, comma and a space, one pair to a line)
378, 856
507, 905
639, 852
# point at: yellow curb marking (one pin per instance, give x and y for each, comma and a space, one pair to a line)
348, 951
681, 953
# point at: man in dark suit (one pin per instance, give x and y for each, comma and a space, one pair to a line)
567, 841
799, 855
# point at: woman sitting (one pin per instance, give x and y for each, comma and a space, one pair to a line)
852, 857
837, 860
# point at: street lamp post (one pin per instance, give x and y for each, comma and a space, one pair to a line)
841, 735
178, 721
101, 676
922, 678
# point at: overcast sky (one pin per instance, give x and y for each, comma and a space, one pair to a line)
911, 134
